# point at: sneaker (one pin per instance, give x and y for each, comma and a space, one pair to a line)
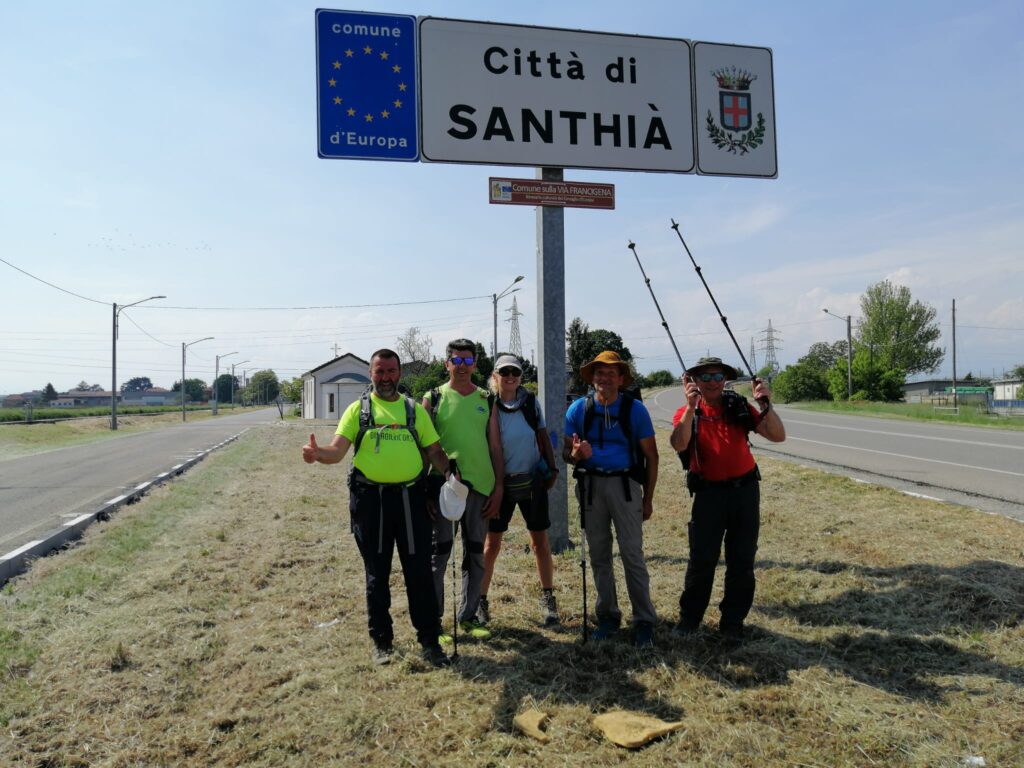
643, 635
605, 629
548, 609
483, 612
685, 628
445, 639
475, 629
381, 655
434, 656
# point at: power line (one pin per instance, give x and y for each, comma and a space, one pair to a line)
44, 282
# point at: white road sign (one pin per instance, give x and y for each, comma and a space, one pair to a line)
501, 94
735, 110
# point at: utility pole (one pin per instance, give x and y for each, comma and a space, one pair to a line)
957, 412
113, 359
216, 375
515, 341
185, 346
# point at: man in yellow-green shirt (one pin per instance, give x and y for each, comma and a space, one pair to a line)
387, 501
469, 433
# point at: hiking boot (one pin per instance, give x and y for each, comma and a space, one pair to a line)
381, 655
606, 628
483, 612
475, 629
685, 628
434, 656
548, 609
731, 632
643, 634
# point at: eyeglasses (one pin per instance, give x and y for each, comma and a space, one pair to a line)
509, 372
457, 360
712, 377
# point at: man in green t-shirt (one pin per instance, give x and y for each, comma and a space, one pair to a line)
470, 436
387, 501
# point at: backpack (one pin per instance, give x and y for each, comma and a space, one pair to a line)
734, 411
528, 409
637, 460
366, 422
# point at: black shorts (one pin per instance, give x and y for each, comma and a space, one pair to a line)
534, 509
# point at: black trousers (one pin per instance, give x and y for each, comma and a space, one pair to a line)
379, 524
732, 514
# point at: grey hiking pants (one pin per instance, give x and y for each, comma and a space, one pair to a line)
606, 506
474, 531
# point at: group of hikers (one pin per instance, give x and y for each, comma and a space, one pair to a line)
495, 443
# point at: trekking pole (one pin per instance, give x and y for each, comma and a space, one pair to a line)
725, 322
664, 323
583, 550
455, 603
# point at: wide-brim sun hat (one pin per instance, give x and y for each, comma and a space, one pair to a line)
607, 357
713, 362
453, 499
508, 361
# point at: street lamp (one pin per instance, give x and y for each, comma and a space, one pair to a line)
849, 353
494, 300
113, 359
233, 381
185, 346
216, 375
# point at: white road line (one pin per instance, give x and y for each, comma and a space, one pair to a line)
15, 552
905, 456
921, 496
905, 434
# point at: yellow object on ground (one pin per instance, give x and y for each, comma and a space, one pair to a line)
630, 730
530, 722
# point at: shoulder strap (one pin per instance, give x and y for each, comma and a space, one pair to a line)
365, 421
529, 410
588, 415
410, 420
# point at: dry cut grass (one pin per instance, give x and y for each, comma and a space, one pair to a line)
221, 622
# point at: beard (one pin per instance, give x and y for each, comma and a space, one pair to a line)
385, 388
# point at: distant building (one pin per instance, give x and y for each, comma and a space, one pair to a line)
926, 388
21, 400
329, 389
77, 398
1006, 389
151, 396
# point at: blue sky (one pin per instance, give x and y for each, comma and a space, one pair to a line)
153, 149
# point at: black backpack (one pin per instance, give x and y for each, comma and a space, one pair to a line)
734, 411
637, 460
528, 409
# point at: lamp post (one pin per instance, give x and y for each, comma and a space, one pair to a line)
185, 346
849, 352
216, 375
494, 300
233, 381
113, 359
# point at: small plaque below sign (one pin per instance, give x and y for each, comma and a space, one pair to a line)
563, 194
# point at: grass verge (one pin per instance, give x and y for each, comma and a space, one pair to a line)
221, 621
969, 414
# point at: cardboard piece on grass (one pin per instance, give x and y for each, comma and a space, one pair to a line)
453, 499
631, 730
530, 722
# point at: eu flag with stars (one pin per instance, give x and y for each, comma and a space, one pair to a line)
366, 86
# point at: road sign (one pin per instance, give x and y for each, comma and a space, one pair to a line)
735, 110
517, 95
564, 194
366, 86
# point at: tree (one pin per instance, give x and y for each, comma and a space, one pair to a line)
803, 381
414, 345
84, 386
434, 375
821, 355
263, 387
138, 384
223, 387
583, 345
660, 379
195, 389
1017, 372
292, 390
899, 332
871, 379
49, 394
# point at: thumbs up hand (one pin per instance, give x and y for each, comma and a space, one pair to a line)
309, 451
581, 449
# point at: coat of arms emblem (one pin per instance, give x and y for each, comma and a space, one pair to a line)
735, 110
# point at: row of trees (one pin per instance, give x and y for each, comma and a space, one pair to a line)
896, 338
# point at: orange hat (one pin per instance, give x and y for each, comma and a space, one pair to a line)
607, 358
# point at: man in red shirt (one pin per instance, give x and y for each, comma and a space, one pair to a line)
723, 479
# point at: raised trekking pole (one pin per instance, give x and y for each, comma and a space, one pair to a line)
763, 402
664, 323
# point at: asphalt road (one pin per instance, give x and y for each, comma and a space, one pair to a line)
39, 493
974, 466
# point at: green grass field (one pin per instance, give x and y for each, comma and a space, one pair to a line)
221, 621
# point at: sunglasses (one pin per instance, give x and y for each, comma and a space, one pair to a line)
509, 372
457, 360
711, 376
